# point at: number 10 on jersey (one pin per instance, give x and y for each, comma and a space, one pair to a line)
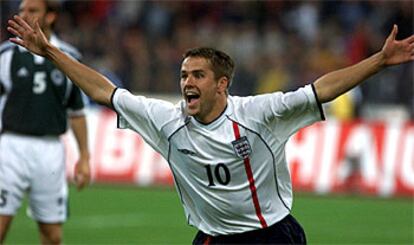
219, 173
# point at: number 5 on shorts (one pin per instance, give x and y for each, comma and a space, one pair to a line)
3, 199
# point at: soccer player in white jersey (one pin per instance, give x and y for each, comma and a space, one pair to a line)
226, 153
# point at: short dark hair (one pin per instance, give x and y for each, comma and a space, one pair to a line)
221, 63
53, 6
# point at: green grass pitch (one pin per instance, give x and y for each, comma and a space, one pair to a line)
129, 215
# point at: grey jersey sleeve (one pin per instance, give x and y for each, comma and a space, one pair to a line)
75, 102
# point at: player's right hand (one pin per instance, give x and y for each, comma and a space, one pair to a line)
29, 36
82, 175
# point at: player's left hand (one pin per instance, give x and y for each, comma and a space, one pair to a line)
397, 51
82, 175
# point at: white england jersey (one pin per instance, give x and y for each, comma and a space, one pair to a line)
231, 174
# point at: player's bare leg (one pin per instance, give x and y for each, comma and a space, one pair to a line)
50, 233
5, 221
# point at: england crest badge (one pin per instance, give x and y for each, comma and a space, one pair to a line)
242, 147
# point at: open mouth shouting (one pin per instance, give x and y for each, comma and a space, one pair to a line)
192, 98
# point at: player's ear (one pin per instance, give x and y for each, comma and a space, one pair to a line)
222, 84
50, 18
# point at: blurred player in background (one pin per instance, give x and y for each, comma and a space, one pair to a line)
226, 152
36, 101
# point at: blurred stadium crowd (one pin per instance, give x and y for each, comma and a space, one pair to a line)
277, 45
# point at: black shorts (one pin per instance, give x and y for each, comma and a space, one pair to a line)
286, 231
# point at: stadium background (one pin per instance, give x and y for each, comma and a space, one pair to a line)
277, 45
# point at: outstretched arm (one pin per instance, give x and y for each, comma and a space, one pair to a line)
394, 52
95, 85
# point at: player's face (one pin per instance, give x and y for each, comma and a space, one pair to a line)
202, 93
35, 10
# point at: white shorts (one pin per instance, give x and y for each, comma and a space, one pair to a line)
36, 166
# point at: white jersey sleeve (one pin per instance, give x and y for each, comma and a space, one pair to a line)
286, 113
151, 118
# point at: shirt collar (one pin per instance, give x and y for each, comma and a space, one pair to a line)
227, 112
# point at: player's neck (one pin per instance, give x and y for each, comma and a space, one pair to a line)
216, 111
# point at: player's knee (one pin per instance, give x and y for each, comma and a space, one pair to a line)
4, 226
51, 234
51, 238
